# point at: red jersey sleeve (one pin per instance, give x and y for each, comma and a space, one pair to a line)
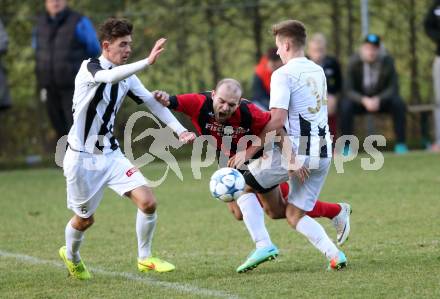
259, 119
189, 104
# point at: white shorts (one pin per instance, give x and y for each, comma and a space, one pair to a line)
87, 175
271, 170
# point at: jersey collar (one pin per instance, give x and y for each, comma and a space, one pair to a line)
297, 59
105, 63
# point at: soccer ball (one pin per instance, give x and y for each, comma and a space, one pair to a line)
227, 184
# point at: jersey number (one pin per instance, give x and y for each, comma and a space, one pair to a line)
320, 100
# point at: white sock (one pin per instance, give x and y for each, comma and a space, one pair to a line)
317, 236
74, 238
253, 218
145, 226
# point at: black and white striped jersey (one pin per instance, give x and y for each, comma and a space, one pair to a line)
100, 88
300, 87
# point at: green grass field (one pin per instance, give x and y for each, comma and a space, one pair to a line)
393, 250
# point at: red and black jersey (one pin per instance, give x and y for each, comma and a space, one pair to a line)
248, 119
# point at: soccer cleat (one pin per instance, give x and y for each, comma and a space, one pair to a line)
79, 270
155, 264
338, 262
341, 222
258, 256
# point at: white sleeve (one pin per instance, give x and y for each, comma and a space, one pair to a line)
140, 95
117, 73
279, 91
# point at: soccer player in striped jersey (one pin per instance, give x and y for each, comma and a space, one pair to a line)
298, 104
223, 113
93, 159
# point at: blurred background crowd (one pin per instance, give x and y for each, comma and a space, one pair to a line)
380, 58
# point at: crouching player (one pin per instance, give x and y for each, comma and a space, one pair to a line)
222, 112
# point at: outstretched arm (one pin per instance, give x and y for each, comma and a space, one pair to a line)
122, 72
141, 95
275, 127
188, 103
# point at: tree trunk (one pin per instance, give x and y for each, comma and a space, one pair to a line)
335, 16
257, 28
415, 93
350, 22
215, 68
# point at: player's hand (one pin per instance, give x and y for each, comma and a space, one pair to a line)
187, 137
157, 49
232, 162
162, 97
238, 160
296, 167
302, 174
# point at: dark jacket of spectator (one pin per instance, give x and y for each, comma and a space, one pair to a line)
333, 75
62, 39
385, 87
61, 46
5, 101
432, 24
381, 83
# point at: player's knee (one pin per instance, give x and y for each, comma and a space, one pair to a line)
294, 215
82, 224
292, 220
90, 221
147, 206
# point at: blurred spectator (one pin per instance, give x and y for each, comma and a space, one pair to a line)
371, 85
261, 81
62, 39
317, 52
432, 28
5, 100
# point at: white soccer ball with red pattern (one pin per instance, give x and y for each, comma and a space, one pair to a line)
227, 184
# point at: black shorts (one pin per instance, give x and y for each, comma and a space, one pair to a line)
252, 182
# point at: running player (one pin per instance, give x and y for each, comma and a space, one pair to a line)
221, 113
93, 159
298, 103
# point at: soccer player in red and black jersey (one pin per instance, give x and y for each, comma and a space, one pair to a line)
222, 112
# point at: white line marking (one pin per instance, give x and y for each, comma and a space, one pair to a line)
181, 287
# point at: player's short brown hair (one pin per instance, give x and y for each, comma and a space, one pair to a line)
292, 29
113, 28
